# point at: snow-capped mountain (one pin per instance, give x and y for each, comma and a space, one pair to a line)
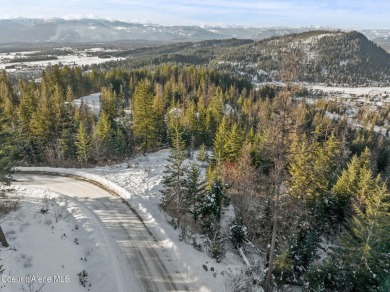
100, 30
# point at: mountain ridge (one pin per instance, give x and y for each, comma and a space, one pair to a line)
325, 57
31, 30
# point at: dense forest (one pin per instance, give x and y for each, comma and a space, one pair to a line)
297, 179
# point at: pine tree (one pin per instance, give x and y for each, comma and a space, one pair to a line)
108, 103
144, 122
28, 104
233, 144
364, 253
159, 113
5, 149
220, 141
313, 168
202, 153
103, 128
173, 180
83, 144
5, 160
209, 208
353, 183
8, 98
194, 190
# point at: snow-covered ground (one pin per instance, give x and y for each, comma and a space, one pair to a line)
49, 249
139, 181
351, 90
69, 60
92, 100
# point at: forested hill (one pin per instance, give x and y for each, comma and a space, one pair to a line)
324, 56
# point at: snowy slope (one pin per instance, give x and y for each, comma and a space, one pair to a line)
56, 246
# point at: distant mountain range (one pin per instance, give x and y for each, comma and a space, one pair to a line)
23, 30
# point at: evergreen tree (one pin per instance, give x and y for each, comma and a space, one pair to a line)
362, 260
144, 122
233, 144
194, 190
83, 144
313, 168
108, 101
220, 141
353, 183
174, 179
365, 246
103, 128
159, 112
202, 153
5, 149
210, 207
8, 98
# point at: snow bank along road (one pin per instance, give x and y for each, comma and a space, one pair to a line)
136, 254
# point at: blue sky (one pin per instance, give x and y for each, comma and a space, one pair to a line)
336, 13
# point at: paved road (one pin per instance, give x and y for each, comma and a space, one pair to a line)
144, 259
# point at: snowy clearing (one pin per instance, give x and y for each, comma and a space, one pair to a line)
78, 59
92, 101
351, 90
53, 239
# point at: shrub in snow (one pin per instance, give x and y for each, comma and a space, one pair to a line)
27, 260
173, 222
32, 287
48, 221
184, 231
214, 244
217, 250
83, 279
238, 232
248, 279
7, 203
45, 202
58, 211
202, 154
196, 245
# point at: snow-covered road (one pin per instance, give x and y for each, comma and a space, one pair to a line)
140, 262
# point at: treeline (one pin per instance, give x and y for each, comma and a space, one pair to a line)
47, 126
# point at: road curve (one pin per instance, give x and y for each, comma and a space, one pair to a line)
149, 264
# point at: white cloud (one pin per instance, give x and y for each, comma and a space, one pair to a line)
335, 13
76, 16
